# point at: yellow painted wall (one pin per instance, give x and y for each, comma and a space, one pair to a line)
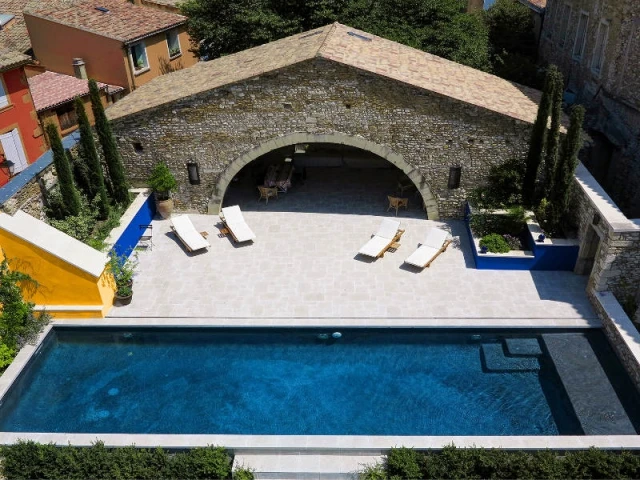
60, 283
158, 49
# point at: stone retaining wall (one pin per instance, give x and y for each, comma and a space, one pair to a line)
431, 133
29, 198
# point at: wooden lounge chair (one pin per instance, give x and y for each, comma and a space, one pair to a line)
387, 236
187, 233
234, 221
436, 242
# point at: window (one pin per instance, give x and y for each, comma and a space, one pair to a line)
581, 36
67, 116
4, 98
601, 45
139, 56
173, 42
564, 24
13, 151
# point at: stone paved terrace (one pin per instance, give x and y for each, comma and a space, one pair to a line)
304, 266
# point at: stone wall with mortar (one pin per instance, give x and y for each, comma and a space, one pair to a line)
430, 132
616, 266
612, 93
29, 198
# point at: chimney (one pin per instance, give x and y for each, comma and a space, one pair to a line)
475, 5
79, 69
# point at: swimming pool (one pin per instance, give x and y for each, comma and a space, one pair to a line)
296, 382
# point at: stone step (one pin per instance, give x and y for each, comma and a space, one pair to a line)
523, 346
495, 360
594, 400
301, 465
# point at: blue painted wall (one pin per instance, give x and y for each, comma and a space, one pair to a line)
546, 257
131, 235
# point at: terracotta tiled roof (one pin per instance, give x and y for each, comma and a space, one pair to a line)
15, 35
123, 21
50, 89
10, 59
171, 3
350, 47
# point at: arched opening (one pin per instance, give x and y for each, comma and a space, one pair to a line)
361, 163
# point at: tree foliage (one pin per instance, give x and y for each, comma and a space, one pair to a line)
538, 141
119, 187
19, 324
68, 190
441, 27
89, 155
512, 41
553, 137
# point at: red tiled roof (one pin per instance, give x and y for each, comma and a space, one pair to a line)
15, 35
539, 4
123, 21
50, 89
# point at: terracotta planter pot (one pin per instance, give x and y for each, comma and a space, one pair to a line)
164, 207
118, 300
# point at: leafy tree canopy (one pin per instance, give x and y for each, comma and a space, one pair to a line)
441, 27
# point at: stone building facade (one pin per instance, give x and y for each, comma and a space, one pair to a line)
596, 44
315, 98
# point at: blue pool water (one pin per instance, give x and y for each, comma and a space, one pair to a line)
288, 382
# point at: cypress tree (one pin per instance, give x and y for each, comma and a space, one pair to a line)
68, 189
537, 142
90, 156
553, 137
567, 164
109, 147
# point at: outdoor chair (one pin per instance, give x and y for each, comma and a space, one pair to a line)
386, 237
234, 222
187, 233
436, 242
267, 192
397, 202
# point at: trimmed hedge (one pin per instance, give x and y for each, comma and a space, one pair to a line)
452, 462
30, 460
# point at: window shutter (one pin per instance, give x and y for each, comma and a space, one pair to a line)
4, 100
13, 150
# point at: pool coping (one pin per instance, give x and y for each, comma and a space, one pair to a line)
305, 443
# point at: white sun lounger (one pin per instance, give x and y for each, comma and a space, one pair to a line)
187, 233
234, 221
436, 242
388, 233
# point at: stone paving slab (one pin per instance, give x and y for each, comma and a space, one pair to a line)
304, 263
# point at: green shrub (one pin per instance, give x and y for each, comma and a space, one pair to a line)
454, 463
403, 463
27, 460
6, 356
504, 186
495, 243
162, 181
243, 474
373, 472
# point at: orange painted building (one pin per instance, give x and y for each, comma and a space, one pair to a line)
21, 136
118, 42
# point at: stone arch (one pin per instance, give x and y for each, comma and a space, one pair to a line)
232, 170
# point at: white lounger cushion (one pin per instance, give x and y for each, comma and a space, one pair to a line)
436, 238
382, 238
188, 233
235, 222
388, 228
422, 255
429, 249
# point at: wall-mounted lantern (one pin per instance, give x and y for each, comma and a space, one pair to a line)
7, 166
454, 177
194, 173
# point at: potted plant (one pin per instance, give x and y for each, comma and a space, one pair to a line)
123, 269
162, 182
